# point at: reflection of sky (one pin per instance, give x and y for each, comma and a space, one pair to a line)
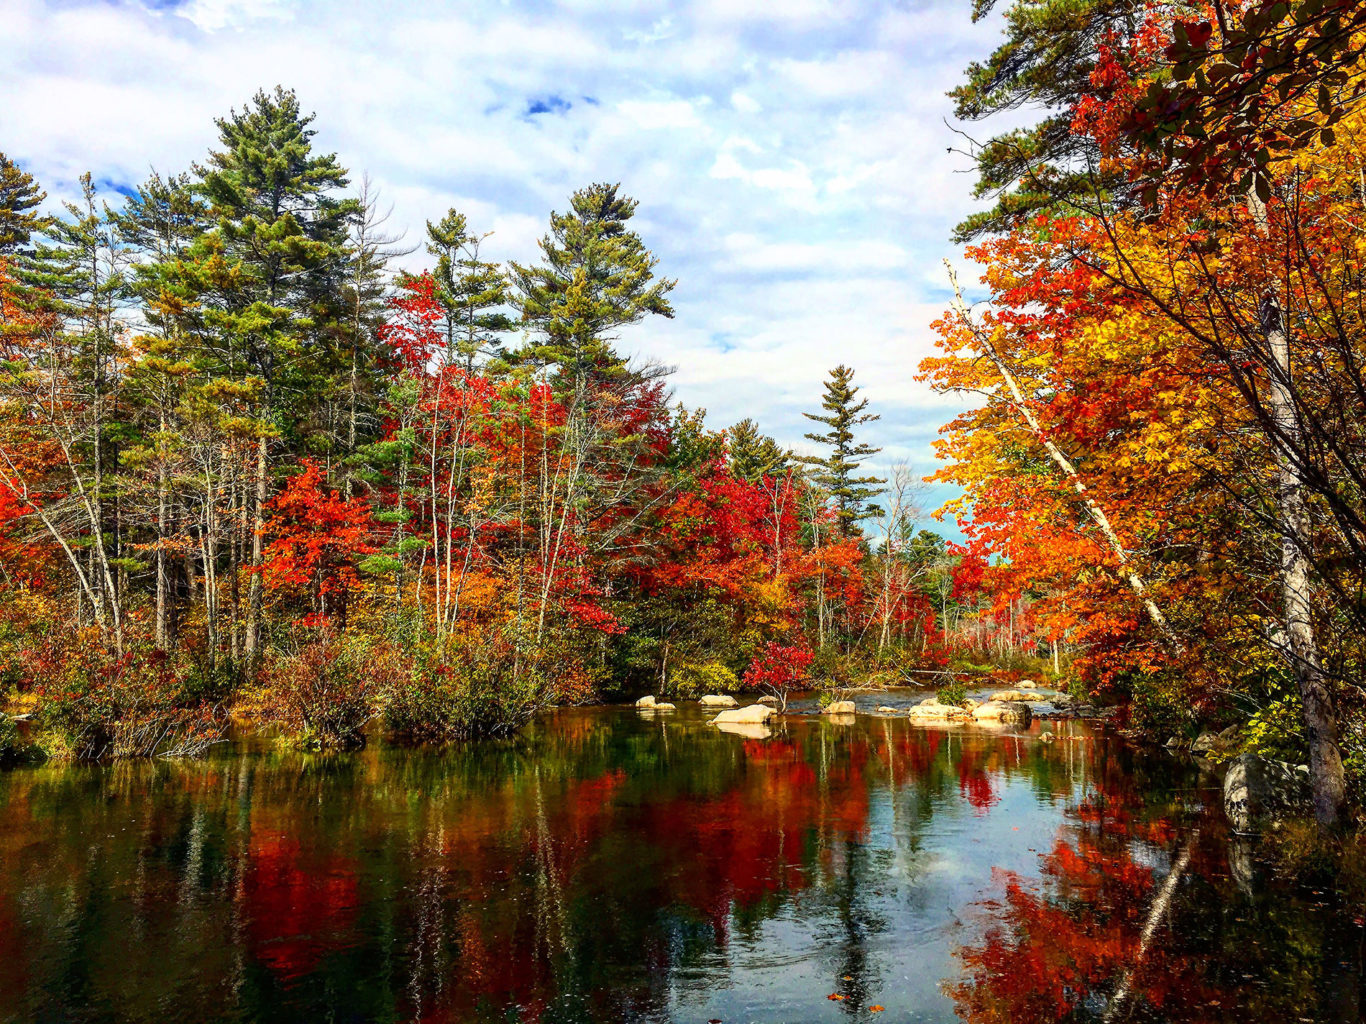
791, 158
921, 879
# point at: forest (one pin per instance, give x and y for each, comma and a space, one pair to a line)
250, 469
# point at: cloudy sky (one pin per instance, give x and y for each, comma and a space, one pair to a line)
791, 157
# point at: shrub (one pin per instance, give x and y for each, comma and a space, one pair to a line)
954, 693
478, 687
1161, 704
693, 677
94, 703
14, 749
326, 692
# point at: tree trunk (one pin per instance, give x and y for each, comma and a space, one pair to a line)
1320, 718
254, 587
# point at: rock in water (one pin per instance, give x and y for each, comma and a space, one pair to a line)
719, 700
755, 714
1204, 743
1027, 684
1009, 695
1005, 712
885, 710
839, 707
1259, 792
664, 707
931, 708
769, 699
648, 701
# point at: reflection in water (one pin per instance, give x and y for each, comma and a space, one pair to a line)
609, 866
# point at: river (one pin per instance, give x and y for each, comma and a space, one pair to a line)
610, 865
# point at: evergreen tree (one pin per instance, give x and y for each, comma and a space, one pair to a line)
20, 198
263, 292
1045, 63
853, 495
472, 292
595, 277
753, 455
159, 223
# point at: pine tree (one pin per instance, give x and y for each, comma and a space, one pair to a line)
159, 222
595, 277
1044, 64
853, 495
20, 197
753, 455
263, 293
472, 292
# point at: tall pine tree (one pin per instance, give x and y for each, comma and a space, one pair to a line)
264, 290
20, 198
753, 455
844, 412
595, 277
471, 291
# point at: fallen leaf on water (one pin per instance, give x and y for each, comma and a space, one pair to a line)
875, 1008
847, 977
835, 996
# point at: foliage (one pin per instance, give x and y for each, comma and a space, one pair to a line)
955, 693
476, 687
691, 678
778, 668
326, 691
98, 704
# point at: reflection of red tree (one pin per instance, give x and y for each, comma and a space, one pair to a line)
1049, 953
973, 781
302, 906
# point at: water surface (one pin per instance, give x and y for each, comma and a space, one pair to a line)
608, 865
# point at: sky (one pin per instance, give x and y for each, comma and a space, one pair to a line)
794, 160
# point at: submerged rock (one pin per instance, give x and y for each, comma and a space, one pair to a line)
1259, 792
754, 714
1005, 712
839, 707
749, 730
719, 700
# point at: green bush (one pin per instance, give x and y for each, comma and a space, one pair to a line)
955, 693
326, 692
480, 688
693, 677
1161, 704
